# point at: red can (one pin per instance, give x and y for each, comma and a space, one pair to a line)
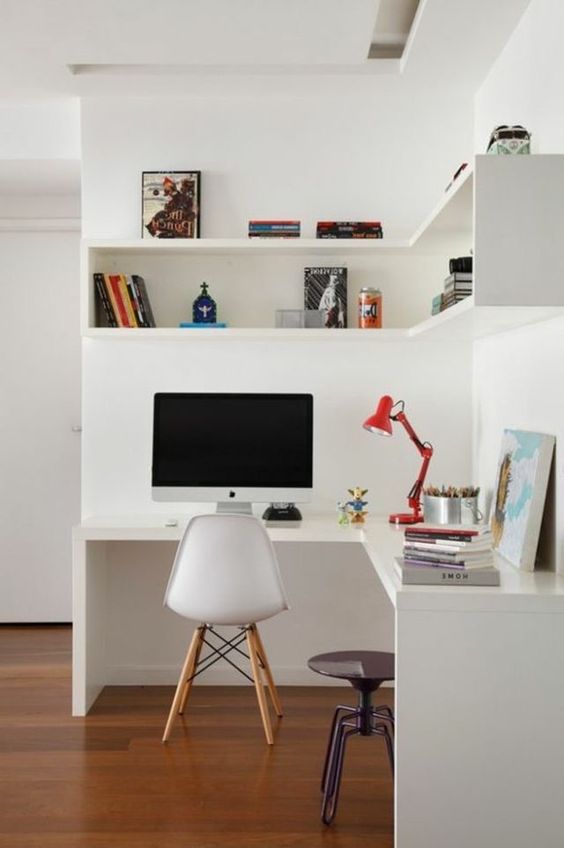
370, 308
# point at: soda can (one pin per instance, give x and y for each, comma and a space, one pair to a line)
370, 308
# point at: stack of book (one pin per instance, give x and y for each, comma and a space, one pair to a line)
458, 285
448, 555
274, 229
124, 300
349, 229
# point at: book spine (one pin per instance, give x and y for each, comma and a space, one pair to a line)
135, 303
104, 300
115, 298
126, 300
141, 290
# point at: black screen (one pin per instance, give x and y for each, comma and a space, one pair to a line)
252, 440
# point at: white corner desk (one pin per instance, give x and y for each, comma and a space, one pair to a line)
479, 685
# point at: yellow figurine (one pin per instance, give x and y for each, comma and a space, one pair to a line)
356, 505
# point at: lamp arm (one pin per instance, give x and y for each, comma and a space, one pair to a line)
426, 451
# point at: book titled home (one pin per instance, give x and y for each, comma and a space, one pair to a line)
325, 288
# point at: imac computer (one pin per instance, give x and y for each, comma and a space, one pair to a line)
234, 449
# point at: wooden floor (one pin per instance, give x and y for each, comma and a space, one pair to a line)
106, 780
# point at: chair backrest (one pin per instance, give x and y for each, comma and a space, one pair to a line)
225, 572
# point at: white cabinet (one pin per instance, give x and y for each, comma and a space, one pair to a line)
506, 209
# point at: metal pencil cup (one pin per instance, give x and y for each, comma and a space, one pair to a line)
437, 510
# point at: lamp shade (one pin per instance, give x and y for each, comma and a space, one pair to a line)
380, 421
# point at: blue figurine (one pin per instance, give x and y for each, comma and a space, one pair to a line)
204, 309
356, 505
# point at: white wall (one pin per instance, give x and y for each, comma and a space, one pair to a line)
518, 376
386, 152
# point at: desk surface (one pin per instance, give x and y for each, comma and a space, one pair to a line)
540, 591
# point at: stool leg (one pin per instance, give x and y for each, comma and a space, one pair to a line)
386, 713
382, 730
331, 796
340, 708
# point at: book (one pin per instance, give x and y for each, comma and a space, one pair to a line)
459, 277
126, 300
143, 297
446, 545
443, 561
104, 300
114, 293
464, 531
325, 288
429, 576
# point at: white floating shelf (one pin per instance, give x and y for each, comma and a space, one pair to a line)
242, 246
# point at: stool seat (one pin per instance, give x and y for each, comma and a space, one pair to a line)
365, 671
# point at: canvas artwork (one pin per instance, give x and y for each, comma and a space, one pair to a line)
171, 204
325, 288
519, 495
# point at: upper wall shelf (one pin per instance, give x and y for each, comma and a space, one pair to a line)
511, 204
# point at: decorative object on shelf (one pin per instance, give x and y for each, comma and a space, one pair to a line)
124, 300
356, 505
509, 139
194, 325
370, 308
520, 494
451, 505
456, 175
274, 229
298, 318
204, 309
342, 515
381, 423
349, 229
171, 204
325, 288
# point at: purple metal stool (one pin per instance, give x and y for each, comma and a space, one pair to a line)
365, 671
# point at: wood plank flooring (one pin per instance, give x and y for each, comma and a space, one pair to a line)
106, 780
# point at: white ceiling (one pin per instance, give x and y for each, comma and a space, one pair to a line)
225, 48
143, 47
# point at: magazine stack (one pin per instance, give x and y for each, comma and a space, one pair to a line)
274, 229
448, 555
349, 229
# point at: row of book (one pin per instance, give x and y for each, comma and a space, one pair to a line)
278, 228
457, 286
349, 229
124, 300
448, 555
274, 229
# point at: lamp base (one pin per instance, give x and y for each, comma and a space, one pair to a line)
405, 518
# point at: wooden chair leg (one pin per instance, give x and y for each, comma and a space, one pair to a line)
261, 697
201, 631
269, 678
186, 672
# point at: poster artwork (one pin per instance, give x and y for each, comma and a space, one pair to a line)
171, 204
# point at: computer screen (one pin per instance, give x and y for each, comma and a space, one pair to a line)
232, 447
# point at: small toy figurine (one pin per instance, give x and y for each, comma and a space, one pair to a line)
204, 310
356, 505
342, 517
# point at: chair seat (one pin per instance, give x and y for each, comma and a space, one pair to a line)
364, 670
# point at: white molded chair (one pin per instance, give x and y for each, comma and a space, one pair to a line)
226, 573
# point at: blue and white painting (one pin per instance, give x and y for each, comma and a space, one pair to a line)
519, 495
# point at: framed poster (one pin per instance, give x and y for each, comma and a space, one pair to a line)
171, 204
519, 495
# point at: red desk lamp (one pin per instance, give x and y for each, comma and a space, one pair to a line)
381, 422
